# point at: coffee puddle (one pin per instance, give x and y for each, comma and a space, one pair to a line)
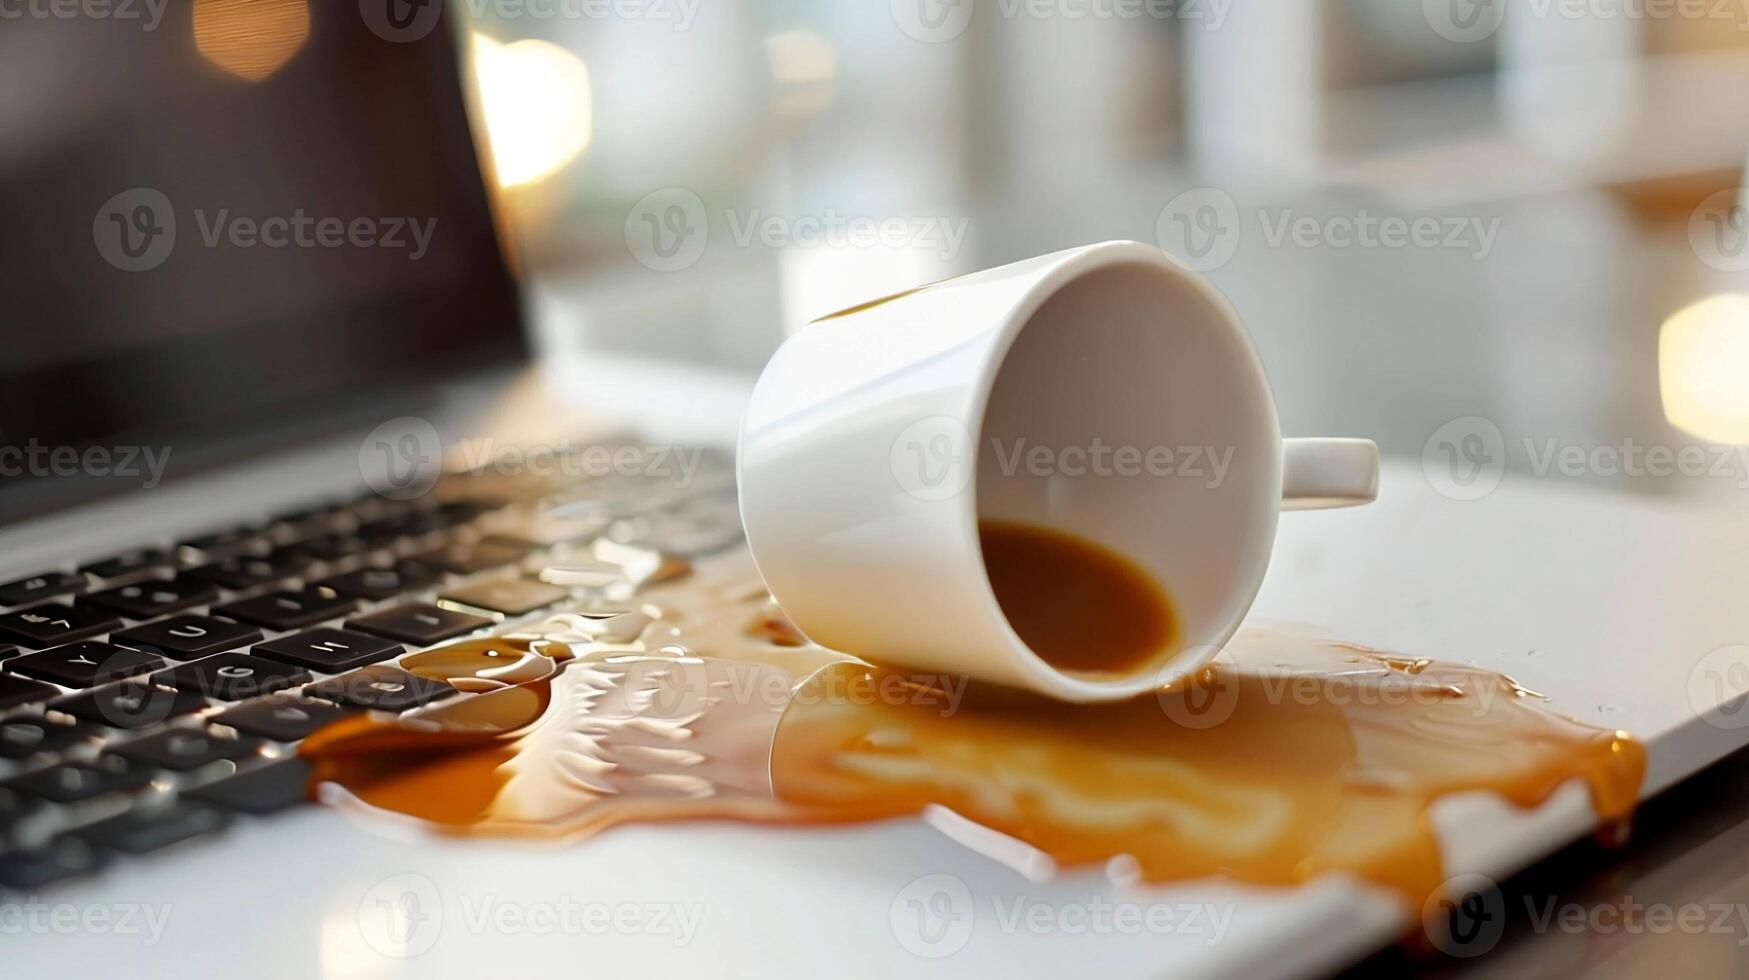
1288, 758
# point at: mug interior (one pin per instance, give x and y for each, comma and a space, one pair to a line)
1130, 411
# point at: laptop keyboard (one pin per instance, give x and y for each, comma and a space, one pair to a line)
160, 694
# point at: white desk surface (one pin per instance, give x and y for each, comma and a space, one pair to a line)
1601, 602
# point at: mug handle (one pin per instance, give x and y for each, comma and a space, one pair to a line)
1318, 474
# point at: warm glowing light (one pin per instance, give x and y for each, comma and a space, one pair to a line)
250, 38
536, 100
804, 70
1703, 365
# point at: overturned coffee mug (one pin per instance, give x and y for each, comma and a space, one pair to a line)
1061, 475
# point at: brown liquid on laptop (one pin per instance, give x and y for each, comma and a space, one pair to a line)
1288, 758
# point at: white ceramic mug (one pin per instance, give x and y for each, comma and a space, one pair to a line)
878, 438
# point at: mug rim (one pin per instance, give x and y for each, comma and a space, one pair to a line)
1192, 657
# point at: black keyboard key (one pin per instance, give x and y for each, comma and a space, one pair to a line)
466, 559
9, 650
418, 623
71, 782
44, 586
232, 677
281, 717
148, 828
23, 737
53, 624
328, 650
16, 806
262, 789
380, 688
15, 691
333, 547
186, 637
506, 597
87, 663
154, 597
58, 860
184, 749
288, 610
220, 544
376, 584
241, 572
130, 705
128, 563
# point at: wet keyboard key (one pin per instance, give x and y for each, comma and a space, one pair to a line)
262, 789
53, 624
87, 663
58, 860
376, 584
187, 637
71, 782
15, 691
154, 597
380, 688
128, 563
130, 705
510, 597
183, 749
148, 828
232, 676
288, 610
10, 650
44, 586
329, 650
281, 717
418, 623
23, 737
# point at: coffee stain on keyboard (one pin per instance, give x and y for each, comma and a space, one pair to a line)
1288, 758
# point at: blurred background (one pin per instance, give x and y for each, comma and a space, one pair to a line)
1549, 185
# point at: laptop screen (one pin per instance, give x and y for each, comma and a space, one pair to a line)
220, 214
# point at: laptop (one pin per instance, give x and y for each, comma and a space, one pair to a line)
257, 295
